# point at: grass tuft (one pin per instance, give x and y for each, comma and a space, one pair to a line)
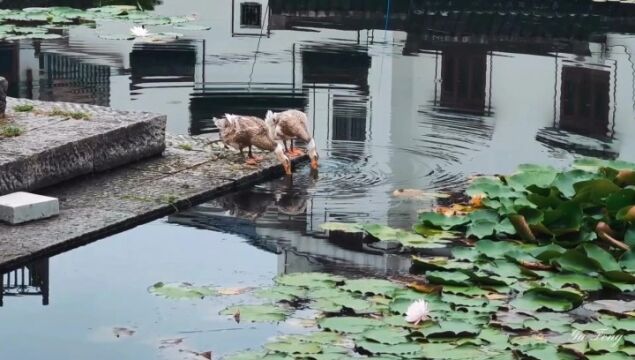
77, 115
11, 131
187, 147
23, 108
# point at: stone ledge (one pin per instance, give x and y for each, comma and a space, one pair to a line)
56, 148
99, 205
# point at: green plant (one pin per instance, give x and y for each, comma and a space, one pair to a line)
11, 131
23, 108
187, 147
77, 115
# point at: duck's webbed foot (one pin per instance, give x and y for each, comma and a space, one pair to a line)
296, 152
251, 162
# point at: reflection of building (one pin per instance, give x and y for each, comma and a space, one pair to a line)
584, 110
216, 99
300, 247
250, 18
32, 279
584, 101
69, 79
10, 65
349, 119
463, 80
340, 74
156, 62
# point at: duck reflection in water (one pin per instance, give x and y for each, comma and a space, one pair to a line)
280, 197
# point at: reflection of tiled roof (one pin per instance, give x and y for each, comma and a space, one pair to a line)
216, 99
542, 18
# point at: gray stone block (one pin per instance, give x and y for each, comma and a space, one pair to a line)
61, 148
21, 207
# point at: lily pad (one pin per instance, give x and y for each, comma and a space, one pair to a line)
387, 335
191, 27
181, 291
544, 298
309, 280
257, 313
344, 227
348, 324
371, 286
451, 328
389, 349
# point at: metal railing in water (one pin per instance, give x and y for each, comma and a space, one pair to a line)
30, 280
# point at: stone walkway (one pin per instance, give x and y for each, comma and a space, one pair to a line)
191, 171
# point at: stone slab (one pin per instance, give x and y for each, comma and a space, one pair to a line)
53, 149
21, 207
102, 204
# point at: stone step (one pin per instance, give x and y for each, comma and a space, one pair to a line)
60, 141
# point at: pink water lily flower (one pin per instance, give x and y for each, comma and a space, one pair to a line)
417, 312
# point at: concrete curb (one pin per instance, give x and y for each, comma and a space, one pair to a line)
55, 147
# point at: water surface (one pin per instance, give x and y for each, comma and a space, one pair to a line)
389, 110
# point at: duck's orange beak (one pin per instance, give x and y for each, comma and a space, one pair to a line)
287, 168
314, 164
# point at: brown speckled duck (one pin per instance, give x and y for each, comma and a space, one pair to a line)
241, 132
291, 125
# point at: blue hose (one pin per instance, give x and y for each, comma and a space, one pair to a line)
388, 2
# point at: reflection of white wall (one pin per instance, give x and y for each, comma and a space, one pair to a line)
621, 49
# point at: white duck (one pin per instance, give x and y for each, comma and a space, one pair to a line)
241, 132
291, 125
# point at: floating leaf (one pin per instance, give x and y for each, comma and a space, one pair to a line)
576, 261
451, 328
580, 281
347, 324
257, 313
309, 280
389, 349
191, 27
371, 286
603, 260
448, 277
181, 291
387, 335
442, 221
544, 298
594, 191
291, 345
344, 227
481, 228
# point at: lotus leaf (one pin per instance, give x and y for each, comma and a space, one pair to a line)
181, 291
344, 227
392, 349
257, 313
454, 327
582, 282
441, 221
448, 277
293, 346
349, 324
309, 280
387, 335
545, 298
371, 286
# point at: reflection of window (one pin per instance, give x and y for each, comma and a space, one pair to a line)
585, 101
463, 80
349, 120
250, 14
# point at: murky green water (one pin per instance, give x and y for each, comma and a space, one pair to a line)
396, 109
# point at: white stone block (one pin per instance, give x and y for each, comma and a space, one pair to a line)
21, 207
